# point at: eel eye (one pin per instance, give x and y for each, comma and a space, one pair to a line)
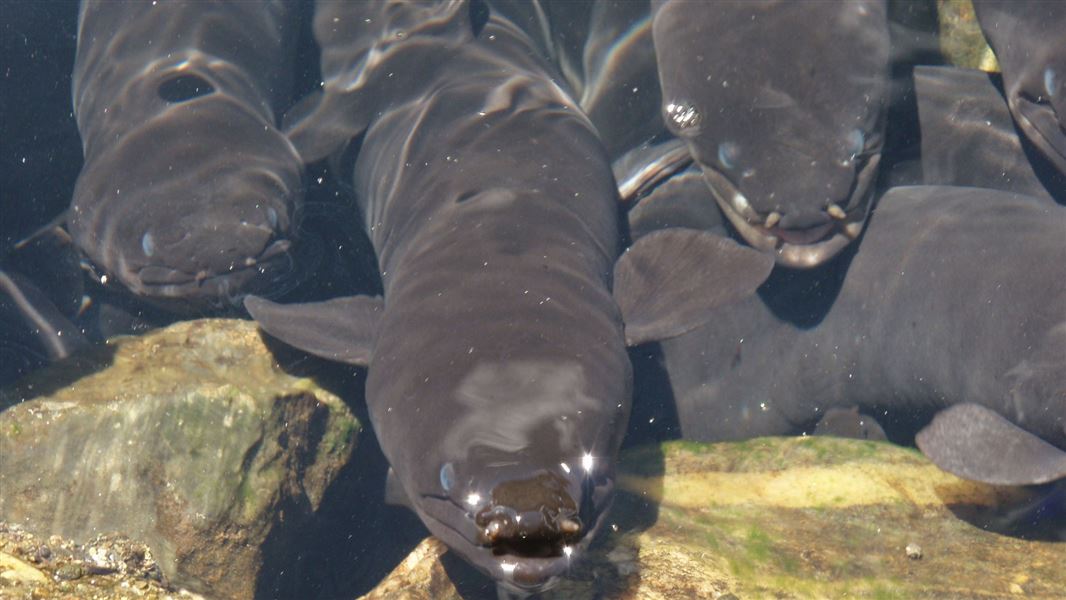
148, 244
728, 153
856, 142
447, 477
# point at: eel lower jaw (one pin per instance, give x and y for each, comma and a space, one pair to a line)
796, 249
521, 575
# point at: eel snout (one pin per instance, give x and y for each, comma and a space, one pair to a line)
530, 518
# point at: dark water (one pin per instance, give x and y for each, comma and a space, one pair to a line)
349, 551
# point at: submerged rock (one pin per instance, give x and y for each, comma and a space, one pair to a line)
791, 518
189, 438
961, 40
105, 568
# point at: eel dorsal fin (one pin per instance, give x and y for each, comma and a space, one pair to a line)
342, 329
670, 281
976, 443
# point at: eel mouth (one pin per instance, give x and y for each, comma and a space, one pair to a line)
169, 285
525, 567
797, 248
522, 557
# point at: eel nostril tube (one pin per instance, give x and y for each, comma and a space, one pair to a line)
493, 531
569, 526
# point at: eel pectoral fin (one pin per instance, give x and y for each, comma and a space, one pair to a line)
320, 124
670, 281
342, 329
977, 443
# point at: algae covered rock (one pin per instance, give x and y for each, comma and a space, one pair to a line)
189, 438
810, 517
105, 568
962, 42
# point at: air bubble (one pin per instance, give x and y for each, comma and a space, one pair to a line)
683, 115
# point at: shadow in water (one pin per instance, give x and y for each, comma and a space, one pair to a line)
803, 297
468, 581
1039, 517
653, 418
354, 539
51, 379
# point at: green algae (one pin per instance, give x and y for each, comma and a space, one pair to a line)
670, 538
962, 42
755, 455
844, 545
340, 436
